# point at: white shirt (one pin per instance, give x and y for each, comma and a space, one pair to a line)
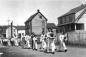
48, 34
61, 37
34, 38
42, 37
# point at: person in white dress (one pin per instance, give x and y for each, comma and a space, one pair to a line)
27, 38
15, 40
52, 44
48, 40
0, 41
53, 47
62, 43
43, 43
34, 42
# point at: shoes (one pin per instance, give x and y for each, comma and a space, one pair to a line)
36, 49
53, 52
65, 50
45, 51
40, 48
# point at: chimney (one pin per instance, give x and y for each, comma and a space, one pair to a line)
38, 10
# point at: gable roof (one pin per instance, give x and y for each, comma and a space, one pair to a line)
31, 17
51, 25
75, 10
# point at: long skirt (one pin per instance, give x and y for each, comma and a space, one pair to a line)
44, 45
34, 44
53, 47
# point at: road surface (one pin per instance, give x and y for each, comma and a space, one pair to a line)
19, 52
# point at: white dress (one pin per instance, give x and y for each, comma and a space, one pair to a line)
35, 42
62, 43
53, 47
43, 42
27, 38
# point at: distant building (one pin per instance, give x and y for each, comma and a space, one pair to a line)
51, 26
21, 31
73, 20
3, 31
17, 31
14, 32
36, 23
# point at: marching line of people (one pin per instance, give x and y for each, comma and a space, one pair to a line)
47, 42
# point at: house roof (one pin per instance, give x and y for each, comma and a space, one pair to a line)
75, 10
31, 17
20, 27
4, 27
51, 25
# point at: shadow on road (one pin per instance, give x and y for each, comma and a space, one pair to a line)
6, 53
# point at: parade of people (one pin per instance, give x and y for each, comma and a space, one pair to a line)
47, 42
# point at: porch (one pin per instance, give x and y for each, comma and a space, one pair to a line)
71, 27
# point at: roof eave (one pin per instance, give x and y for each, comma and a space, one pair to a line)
43, 16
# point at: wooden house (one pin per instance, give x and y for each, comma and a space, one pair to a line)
73, 20
36, 23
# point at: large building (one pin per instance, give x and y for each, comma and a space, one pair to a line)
36, 23
73, 20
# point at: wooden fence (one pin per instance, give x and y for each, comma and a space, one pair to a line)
76, 37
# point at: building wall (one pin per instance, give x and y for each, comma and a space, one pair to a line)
66, 19
21, 32
83, 20
8, 32
37, 24
28, 28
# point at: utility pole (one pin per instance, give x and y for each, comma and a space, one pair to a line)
12, 29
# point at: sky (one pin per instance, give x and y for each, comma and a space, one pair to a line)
19, 11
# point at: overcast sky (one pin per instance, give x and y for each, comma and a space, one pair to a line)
20, 10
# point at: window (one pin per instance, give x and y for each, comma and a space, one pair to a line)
70, 18
14, 30
43, 30
19, 35
65, 19
40, 17
14, 35
60, 20
43, 23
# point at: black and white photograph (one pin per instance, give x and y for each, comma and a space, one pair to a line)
42, 28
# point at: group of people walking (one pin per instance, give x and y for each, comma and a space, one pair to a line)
47, 42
